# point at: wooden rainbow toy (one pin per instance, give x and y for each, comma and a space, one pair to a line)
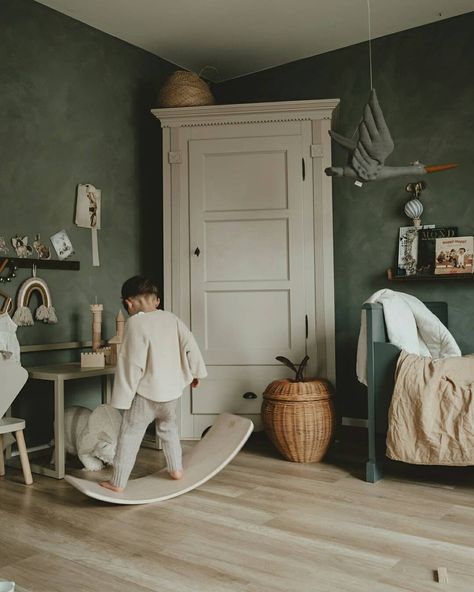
45, 312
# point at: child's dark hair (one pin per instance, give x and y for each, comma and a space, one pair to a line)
139, 285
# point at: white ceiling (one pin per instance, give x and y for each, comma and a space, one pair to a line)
243, 36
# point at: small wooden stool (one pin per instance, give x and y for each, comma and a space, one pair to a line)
16, 426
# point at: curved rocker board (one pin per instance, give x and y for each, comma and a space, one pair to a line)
204, 460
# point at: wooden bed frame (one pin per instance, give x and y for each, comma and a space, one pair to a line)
381, 362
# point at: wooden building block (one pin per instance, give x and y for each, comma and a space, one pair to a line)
92, 360
442, 575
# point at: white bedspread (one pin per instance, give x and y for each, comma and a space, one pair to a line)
411, 326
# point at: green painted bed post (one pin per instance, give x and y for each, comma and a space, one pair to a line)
381, 364
375, 332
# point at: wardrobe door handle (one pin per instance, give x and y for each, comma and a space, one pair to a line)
249, 396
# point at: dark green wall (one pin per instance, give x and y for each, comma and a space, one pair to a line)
74, 108
424, 82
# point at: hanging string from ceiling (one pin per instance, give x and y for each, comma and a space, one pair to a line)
371, 76
369, 20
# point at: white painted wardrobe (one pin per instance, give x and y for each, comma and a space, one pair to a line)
248, 246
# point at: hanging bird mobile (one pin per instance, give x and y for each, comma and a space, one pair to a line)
374, 144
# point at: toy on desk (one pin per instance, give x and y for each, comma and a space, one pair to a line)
92, 435
93, 359
96, 358
96, 310
101, 356
116, 341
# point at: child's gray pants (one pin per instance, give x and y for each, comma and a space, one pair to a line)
134, 424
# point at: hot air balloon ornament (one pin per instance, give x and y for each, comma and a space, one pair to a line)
367, 153
414, 207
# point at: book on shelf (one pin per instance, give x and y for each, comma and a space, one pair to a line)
427, 237
408, 247
454, 255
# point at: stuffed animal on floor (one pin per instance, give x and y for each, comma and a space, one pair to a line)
92, 435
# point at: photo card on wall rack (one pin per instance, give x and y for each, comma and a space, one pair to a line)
42, 251
21, 246
3, 245
62, 244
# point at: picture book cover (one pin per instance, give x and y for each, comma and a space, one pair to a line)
408, 245
427, 246
454, 255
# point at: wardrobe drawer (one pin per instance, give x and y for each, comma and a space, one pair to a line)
234, 389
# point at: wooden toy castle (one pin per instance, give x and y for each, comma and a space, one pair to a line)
101, 356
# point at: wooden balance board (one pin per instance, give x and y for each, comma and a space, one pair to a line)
201, 462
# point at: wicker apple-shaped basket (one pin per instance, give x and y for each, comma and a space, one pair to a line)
298, 415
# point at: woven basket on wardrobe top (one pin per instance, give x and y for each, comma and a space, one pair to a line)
185, 89
299, 418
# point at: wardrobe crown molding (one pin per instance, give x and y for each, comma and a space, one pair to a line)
246, 113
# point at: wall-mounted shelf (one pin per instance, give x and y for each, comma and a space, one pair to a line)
41, 263
428, 278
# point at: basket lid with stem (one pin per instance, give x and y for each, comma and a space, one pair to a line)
299, 388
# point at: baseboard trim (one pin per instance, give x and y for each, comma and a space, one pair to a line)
355, 422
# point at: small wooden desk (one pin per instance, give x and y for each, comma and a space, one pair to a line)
59, 374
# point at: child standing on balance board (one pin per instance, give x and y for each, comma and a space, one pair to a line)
158, 358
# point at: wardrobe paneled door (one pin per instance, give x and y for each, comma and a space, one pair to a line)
239, 215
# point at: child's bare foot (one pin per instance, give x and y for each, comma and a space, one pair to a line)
176, 475
108, 485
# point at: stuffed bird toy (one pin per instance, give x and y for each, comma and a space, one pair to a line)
368, 153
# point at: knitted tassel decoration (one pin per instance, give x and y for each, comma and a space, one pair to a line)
42, 313
23, 317
47, 314
53, 319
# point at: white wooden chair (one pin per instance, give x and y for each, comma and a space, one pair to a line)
12, 379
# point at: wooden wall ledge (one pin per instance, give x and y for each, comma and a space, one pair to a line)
27, 263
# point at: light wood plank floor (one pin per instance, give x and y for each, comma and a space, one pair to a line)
262, 524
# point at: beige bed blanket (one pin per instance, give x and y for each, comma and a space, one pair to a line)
431, 416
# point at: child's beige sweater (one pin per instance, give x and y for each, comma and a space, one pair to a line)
158, 358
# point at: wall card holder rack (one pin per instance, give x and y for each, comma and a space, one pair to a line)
25, 263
